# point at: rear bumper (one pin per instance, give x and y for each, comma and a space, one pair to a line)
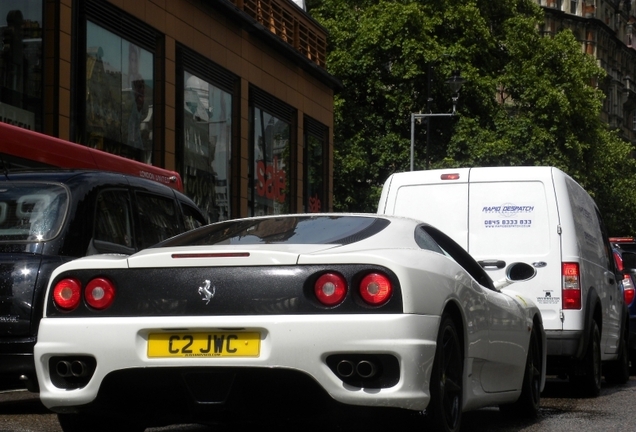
565, 343
292, 343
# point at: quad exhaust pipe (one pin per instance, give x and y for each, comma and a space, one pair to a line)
362, 368
71, 371
68, 369
365, 370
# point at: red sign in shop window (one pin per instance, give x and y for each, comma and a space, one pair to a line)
271, 180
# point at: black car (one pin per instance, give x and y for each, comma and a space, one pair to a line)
50, 217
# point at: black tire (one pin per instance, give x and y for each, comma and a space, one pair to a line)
617, 371
85, 422
445, 408
589, 383
530, 399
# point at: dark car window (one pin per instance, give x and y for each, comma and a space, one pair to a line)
292, 230
113, 230
425, 241
461, 257
191, 217
31, 212
158, 218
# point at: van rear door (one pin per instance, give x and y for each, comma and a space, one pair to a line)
513, 217
439, 198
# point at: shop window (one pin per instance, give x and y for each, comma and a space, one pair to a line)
207, 121
205, 141
271, 147
119, 95
115, 82
316, 140
21, 62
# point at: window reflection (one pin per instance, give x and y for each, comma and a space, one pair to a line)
315, 143
119, 95
208, 128
21, 63
271, 141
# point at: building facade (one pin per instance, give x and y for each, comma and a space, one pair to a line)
232, 94
606, 30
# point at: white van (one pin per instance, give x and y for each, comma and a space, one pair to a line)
541, 216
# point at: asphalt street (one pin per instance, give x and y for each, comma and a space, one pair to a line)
561, 410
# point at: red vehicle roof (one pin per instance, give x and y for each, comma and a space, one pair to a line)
53, 151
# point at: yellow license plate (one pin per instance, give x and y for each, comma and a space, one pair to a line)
213, 344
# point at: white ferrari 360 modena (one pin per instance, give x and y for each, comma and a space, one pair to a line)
250, 317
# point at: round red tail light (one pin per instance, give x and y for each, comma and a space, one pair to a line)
376, 289
67, 294
99, 293
330, 289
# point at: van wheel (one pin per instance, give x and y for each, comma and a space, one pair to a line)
530, 399
447, 375
617, 371
589, 384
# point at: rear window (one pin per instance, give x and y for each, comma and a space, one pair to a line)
281, 230
31, 212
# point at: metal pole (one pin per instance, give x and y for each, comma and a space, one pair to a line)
412, 137
429, 99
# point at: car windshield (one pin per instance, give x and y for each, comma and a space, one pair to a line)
279, 230
31, 212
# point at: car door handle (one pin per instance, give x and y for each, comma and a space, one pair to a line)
492, 263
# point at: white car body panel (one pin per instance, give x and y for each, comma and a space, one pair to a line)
496, 325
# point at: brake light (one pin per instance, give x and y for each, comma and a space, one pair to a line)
628, 291
621, 239
212, 255
571, 286
453, 176
99, 293
67, 294
330, 289
376, 289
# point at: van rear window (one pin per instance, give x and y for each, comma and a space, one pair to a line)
31, 212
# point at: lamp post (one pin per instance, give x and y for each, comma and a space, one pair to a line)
455, 83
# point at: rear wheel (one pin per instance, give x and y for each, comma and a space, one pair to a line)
445, 407
529, 401
589, 383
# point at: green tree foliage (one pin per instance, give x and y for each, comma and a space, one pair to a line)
527, 100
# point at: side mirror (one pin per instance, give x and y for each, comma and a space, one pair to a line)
516, 272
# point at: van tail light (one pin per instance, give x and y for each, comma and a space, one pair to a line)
629, 290
67, 294
376, 289
330, 289
99, 293
571, 286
